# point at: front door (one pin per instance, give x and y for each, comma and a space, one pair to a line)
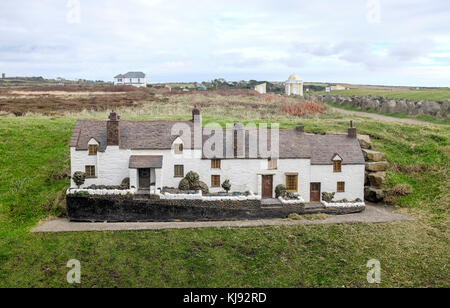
267, 186
315, 192
144, 178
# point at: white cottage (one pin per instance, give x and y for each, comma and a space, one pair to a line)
136, 79
157, 154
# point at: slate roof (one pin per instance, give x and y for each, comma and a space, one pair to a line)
131, 75
157, 135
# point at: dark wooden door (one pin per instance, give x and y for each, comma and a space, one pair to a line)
267, 186
315, 192
144, 178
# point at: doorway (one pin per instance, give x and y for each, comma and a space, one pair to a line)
267, 186
314, 193
144, 178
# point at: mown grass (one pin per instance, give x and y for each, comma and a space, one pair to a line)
34, 158
441, 94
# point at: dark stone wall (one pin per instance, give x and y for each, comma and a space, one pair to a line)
125, 208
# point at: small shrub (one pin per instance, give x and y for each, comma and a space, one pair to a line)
328, 197
226, 185
193, 178
79, 178
280, 191
203, 187
125, 183
401, 190
184, 184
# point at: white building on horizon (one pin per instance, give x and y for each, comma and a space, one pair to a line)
135, 79
294, 85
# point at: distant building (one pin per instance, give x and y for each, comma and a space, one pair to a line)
3, 75
136, 79
294, 85
328, 89
338, 88
261, 88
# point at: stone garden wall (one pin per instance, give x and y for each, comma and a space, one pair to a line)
387, 105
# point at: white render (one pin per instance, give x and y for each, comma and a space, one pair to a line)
244, 174
129, 79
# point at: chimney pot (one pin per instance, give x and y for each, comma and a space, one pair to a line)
352, 131
113, 129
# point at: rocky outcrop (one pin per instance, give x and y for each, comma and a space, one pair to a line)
377, 166
376, 179
381, 104
364, 142
370, 155
373, 194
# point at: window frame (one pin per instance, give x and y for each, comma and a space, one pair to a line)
178, 175
337, 166
88, 171
213, 182
272, 164
93, 152
340, 187
216, 164
179, 148
288, 187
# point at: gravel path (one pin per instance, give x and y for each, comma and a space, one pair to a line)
381, 117
372, 214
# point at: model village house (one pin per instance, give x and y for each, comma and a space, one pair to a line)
152, 157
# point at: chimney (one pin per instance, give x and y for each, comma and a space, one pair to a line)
3, 75
112, 129
196, 115
300, 128
238, 136
352, 131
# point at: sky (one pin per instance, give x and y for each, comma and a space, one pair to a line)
382, 42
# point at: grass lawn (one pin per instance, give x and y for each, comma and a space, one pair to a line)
423, 94
34, 159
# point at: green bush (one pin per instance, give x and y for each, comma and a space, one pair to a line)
184, 184
79, 178
226, 185
125, 183
280, 191
203, 187
193, 178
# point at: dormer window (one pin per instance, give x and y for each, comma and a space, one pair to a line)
93, 149
337, 166
179, 148
337, 163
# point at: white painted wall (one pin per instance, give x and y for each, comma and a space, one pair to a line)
137, 82
244, 174
352, 175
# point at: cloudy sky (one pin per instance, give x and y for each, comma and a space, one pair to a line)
394, 42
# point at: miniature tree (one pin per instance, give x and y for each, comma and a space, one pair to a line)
184, 184
125, 183
193, 178
327, 197
79, 178
203, 187
226, 185
280, 191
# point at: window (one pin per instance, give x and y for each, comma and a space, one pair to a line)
340, 187
337, 166
215, 180
272, 164
179, 148
291, 183
215, 164
90, 171
179, 171
93, 149
119, 79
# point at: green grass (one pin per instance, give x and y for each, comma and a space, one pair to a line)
423, 94
424, 118
34, 155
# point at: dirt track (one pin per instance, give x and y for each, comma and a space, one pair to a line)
381, 117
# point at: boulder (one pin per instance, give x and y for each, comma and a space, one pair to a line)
377, 178
389, 106
377, 166
364, 141
401, 107
370, 155
373, 194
